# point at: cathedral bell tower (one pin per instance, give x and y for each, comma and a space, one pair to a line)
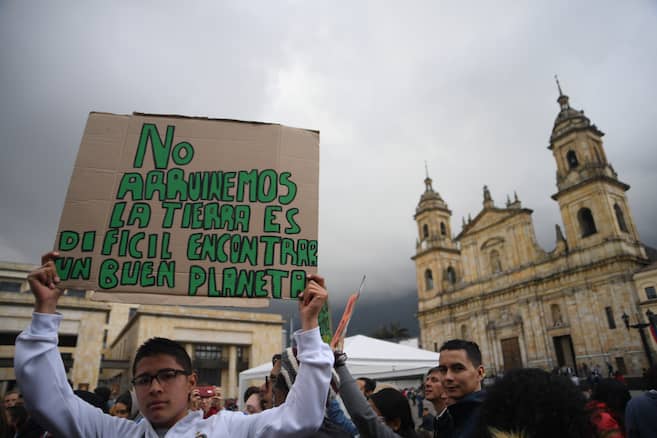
437, 258
591, 198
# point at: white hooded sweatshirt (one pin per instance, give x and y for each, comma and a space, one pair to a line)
50, 399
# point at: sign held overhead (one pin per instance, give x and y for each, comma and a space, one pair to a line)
185, 210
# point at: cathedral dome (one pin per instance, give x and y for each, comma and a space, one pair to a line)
569, 119
430, 199
569, 115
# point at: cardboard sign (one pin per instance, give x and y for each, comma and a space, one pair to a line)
183, 210
324, 320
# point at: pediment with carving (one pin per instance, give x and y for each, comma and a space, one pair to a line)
486, 219
492, 242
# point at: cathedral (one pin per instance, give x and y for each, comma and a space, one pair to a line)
582, 305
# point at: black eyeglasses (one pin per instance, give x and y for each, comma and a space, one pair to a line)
163, 377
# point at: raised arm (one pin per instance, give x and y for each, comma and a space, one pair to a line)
303, 411
311, 301
44, 283
40, 371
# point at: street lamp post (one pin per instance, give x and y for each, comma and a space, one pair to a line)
640, 326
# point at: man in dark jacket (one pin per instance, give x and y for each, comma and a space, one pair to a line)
641, 411
461, 372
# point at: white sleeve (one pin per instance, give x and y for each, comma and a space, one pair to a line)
303, 411
48, 396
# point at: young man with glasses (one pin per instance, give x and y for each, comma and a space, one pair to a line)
163, 380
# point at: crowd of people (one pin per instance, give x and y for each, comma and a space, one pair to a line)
308, 392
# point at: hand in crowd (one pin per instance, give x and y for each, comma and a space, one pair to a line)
195, 400
215, 400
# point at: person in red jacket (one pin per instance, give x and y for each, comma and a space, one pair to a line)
607, 408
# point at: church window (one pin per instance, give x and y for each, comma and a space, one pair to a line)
495, 262
425, 231
571, 157
586, 222
10, 286
443, 229
451, 275
650, 292
610, 317
620, 218
428, 279
9, 338
207, 361
557, 319
464, 332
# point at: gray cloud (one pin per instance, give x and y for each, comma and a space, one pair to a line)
389, 85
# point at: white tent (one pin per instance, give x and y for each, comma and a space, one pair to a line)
368, 357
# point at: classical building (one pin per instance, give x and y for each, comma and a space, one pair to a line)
526, 307
98, 340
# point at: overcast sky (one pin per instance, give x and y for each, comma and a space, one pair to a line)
469, 89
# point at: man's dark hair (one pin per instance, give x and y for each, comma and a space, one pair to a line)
392, 405
275, 358
435, 369
126, 399
370, 385
250, 391
156, 346
471, 349
536, 403
90, 397
615, 395
103, 392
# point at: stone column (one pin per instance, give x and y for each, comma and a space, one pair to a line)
231, 387
87, 352
549, 353
491, 338
529, 332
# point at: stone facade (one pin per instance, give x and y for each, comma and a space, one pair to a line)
98, 340
227, 342
81, 331
527, 307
